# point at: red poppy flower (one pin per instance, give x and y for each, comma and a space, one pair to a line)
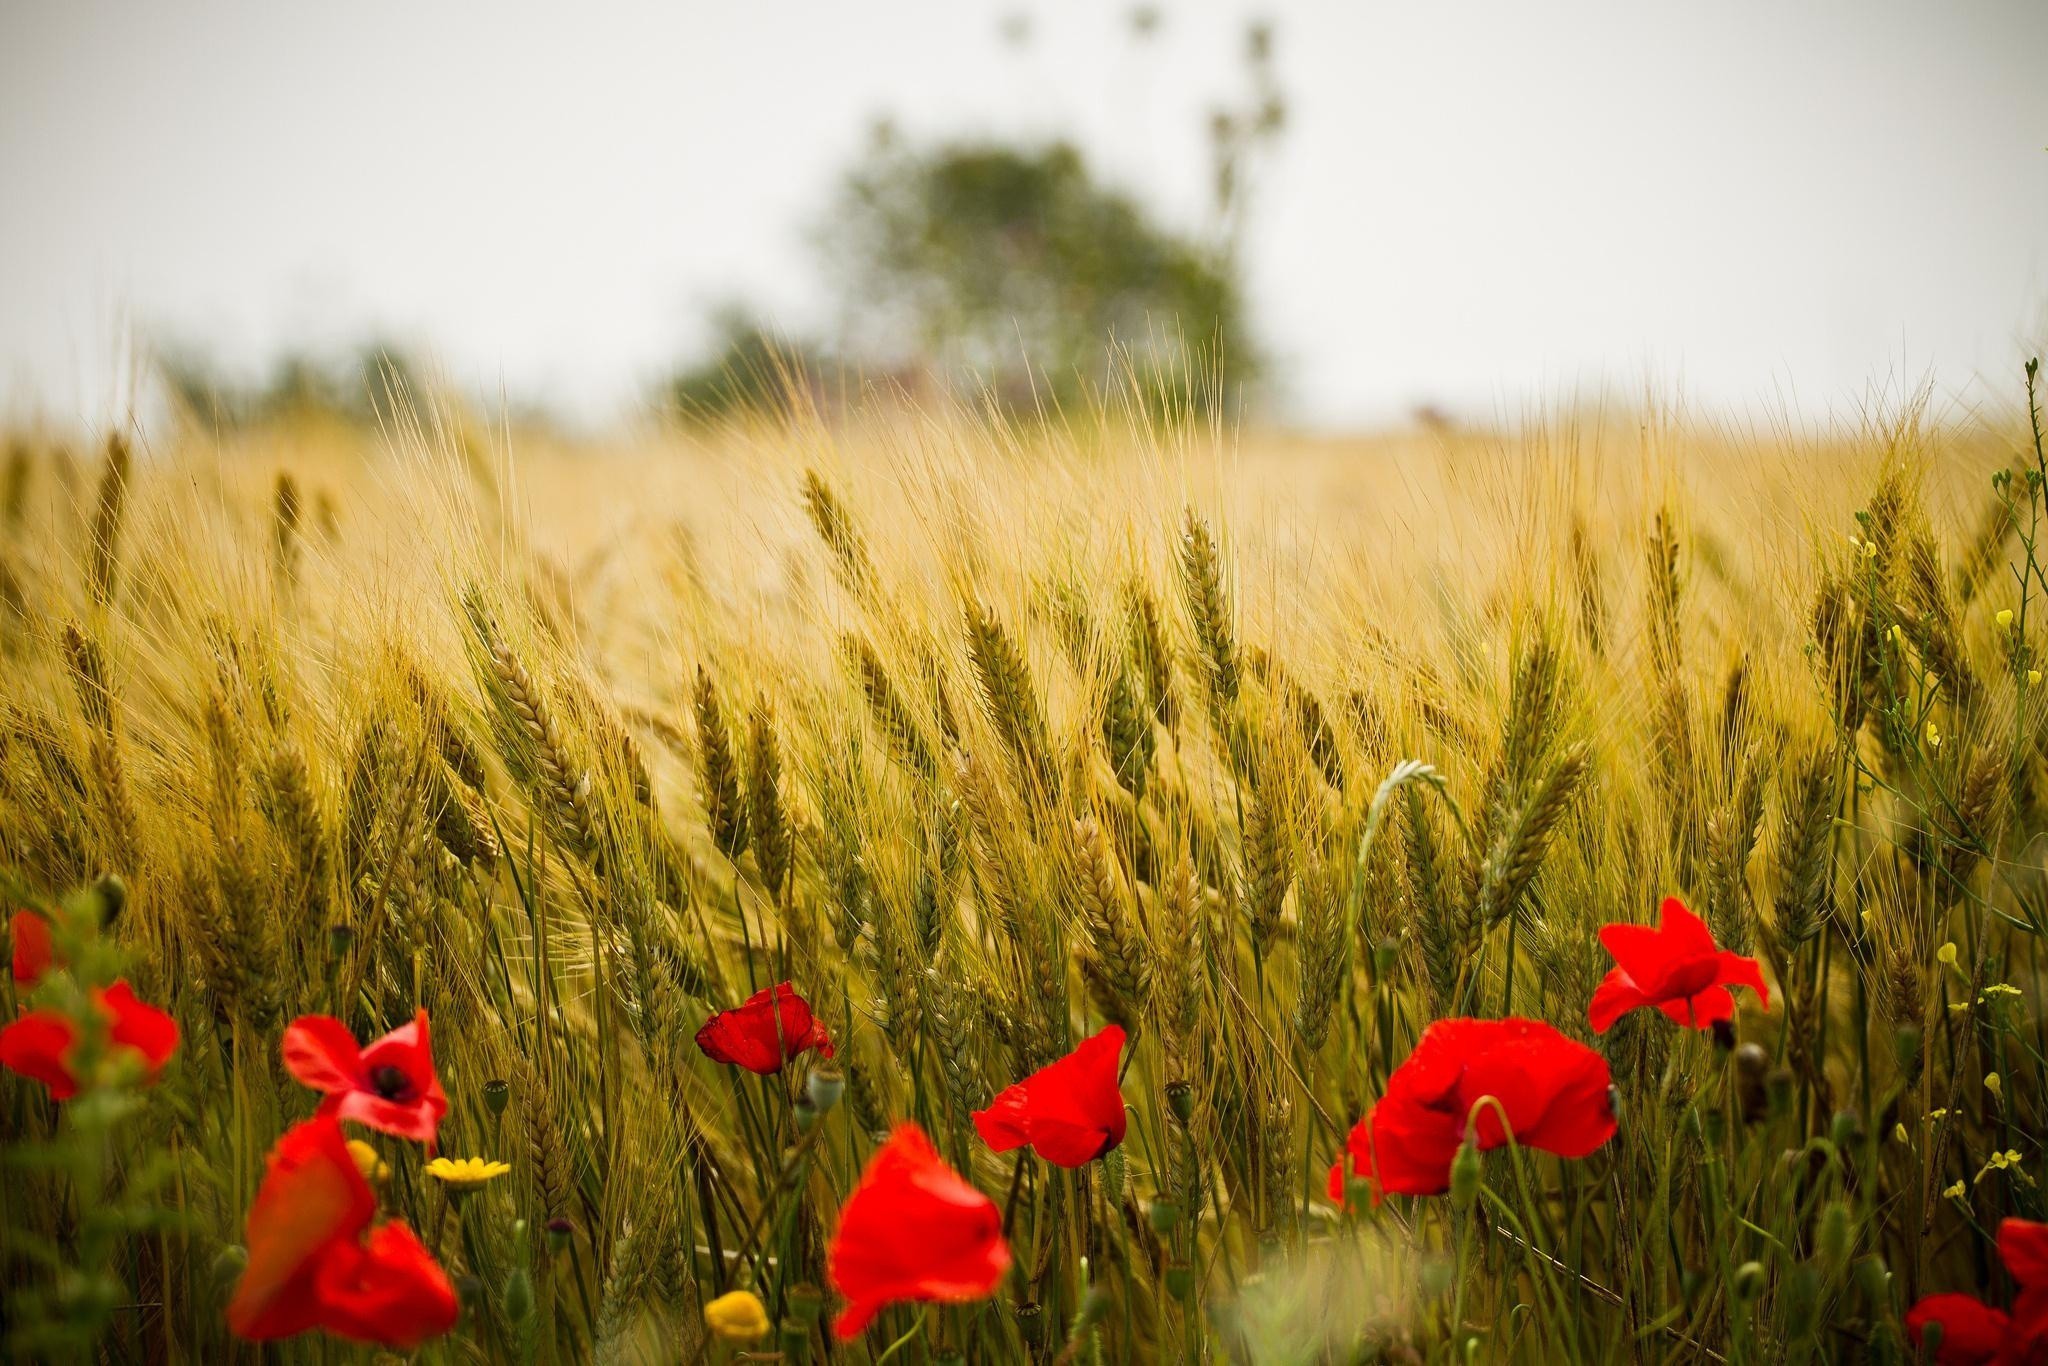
39, 1045
1556, 1092
1675, 968
2023, 1244
760, 1036
913, 1230
1972, 1332
1977, 1334
33, 952
389, 1086
1071, 1111
310, 1265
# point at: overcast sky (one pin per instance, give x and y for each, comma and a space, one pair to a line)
1484, 204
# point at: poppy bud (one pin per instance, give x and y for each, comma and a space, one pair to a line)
340, 939
229, 1265
497, 1092
113, 898
824, 1086
1874, 1279
1750, 1279
1385, 955
806, 1302
1778, 1087
1465, 1173
1031, 1323
560, 1231
1847, 1130
807, 1114
1165, 1216
1724, 1035
1114, 1172
1833, 1240
1180, 1098
1180, 1281
1751, 1066
518, 1299
1437, 1275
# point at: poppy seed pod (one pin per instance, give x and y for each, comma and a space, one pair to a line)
340, 939
824, 1086
807, 1114
1180, 1098
559, 1231
1164, 1215
1847, 1130
1180, 1281
1724, 1035
1031, 1323
112, 894
497, 1092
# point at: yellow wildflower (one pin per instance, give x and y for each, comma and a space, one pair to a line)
465, 1173
2005, 616
2033, 678
1933, 734
2007, 1161
1994, 1083
1946, 955
1999, 989
1899, 1133
737, 1316
373, 1167
1955, 1192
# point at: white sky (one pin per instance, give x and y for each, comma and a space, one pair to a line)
1760, 203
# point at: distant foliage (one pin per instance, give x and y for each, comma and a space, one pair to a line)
1018, 269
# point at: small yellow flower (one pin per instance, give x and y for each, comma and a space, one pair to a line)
1955, 1192
1870, 550
2007, 1161
373, 1167
1898, 636
1933, 734
1999, 989
1899, 1133
1994, 1083
737, 1316
2005, 616
2033, 678
465, 1173
1938, 1115
1946, 955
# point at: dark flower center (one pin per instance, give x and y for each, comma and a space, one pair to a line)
390, 1083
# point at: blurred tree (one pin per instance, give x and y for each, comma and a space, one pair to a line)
1015, 269
352, 388
749, 368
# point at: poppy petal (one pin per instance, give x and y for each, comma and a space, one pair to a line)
913, 1229
38, 1046
390, 1292
1737, 970
1003, 1125
2023, 1244
144, 1028
320, 1052
313, 1198
1702, 1010
33, 951
1615, 997
1972, 1332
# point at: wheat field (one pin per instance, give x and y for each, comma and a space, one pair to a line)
984, 735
